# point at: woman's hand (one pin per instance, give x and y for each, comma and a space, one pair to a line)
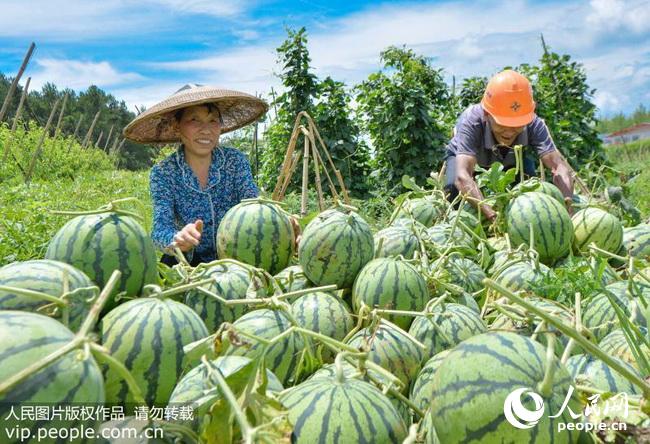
296, 230
189, 237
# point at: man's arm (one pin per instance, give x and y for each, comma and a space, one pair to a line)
562, 174
466, 184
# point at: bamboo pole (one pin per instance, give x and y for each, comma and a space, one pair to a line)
39, 147
117, 152
14, 125
58, 123
14, 83
319, 188
305, 178
108, 139
99, 139
114, 146
90, 130
287, 180
286, 163
76, 130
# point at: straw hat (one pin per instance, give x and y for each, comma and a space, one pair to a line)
155, 125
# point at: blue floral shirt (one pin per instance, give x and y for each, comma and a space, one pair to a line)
178, 199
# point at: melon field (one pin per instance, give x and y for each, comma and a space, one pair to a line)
393, 320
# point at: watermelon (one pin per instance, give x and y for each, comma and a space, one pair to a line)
396, 241
323, 313
257, 233
231, 281
550, 221
465, 217
471, 385
524, 276
421, 387
460, 271
390, 283
617, 346
599, 315
334, 247
292, 278
593, 225
451, 324
601, 376
283, 357
636, 241
197, 384
330, 410
99, 244
544, 187
47, 277
390, 347
73, 378
441, 236
147, 335
425, 210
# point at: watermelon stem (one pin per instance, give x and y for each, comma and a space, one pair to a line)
631, 400
578, 320
596, 249
59, 301
588, 346
102, 355
546, 386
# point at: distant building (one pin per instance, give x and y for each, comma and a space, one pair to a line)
640, 131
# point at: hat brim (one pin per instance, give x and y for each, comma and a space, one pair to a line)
156, 125
514, 122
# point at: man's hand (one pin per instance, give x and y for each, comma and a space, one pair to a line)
296, 231
189, 237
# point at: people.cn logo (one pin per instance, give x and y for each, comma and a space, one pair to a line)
518, 415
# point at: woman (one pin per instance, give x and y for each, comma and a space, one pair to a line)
192, 189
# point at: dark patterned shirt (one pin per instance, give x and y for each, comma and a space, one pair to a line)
473, 136
178, 198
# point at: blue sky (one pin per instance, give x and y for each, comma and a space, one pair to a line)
142, 51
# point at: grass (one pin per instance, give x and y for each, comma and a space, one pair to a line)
632, 161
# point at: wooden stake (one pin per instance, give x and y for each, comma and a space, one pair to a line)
99, 139
305, 178
58, 123
114, 146
108, 139
319, 189
14, 125
39, 147
90, 130
14, 83
117, 152
76, 130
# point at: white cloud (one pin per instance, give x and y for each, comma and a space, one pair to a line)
77, 74
608, 100
217, 8
616, 14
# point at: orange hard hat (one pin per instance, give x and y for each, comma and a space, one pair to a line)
508, 98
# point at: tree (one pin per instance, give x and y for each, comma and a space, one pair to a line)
471, 91
300, 89
406, 111
341, 135
564, 101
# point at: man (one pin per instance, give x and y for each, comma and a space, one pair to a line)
485, 133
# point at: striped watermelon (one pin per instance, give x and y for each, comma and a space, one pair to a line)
73, 378
524, 276
323, 313
452, 324
328, 371
390, 283
292, 278
422, 386
390, 347
593, 225
410, 224
616, 345
99, 244
534, 184
466, 217
425, 210
599, 315
460, 271
334, 248
601, 376
471, 385
257, 233
396, 241
441, 236
331, 410
197, 384
147, 335
47, 277
231, 281
636, 241
283, 357
550, 222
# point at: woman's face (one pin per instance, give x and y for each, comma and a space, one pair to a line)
199, 129
504, 135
